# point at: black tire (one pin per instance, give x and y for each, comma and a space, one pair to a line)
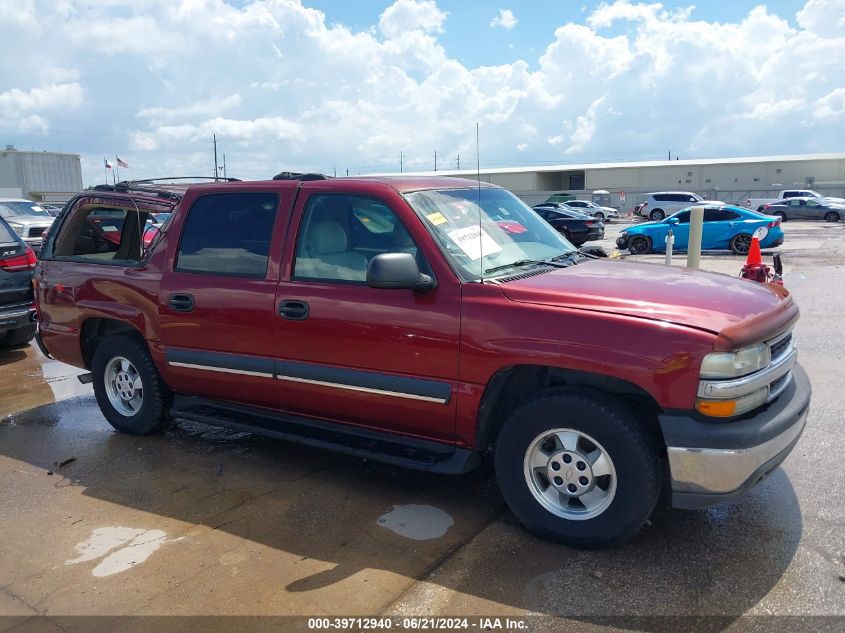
634, 455
656, 215
599, 216
832, 216
782, 216
16, 338
639, 244
152, 413
740, 243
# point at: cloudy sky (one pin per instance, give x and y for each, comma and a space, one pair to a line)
320, 85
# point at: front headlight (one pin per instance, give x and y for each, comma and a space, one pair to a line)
623, 234
20, 229
735, 364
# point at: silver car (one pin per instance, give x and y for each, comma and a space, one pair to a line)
593, 210
806, 209
27, 219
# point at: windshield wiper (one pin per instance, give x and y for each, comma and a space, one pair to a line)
526, 262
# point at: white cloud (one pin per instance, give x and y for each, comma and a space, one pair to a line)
285, 86
506, 19
410, 15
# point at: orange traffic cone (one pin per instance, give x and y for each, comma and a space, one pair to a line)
755, 257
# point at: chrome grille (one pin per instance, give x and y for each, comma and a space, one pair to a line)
36, 231
780, 345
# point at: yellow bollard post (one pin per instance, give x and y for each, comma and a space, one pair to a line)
696, 223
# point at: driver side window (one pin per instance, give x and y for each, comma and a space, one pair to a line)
340, 234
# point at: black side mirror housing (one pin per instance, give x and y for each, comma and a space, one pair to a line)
397, 271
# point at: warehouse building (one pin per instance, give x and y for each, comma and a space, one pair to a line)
731, 180
49, 177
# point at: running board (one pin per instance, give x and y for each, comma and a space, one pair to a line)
397, 450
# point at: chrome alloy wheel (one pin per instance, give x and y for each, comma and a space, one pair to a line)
123, 386
570, 474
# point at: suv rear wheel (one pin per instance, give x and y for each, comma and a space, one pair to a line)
832, 216
15, 338
656, 215
128, 388
577, 468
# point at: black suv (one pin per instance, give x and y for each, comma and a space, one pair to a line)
17, 310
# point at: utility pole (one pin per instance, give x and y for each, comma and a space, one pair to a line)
334, 169
670, 154
401, 161
459, 161
214, 136
435, 160
224, 165
347, 172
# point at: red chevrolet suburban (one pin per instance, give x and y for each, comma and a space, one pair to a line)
428, 323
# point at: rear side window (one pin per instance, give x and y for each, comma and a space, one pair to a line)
683, 218
661, 197
719, 215
103, 235
228, 234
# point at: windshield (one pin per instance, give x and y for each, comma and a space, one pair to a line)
509, 230
21, 209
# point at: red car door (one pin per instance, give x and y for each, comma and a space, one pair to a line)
217, 294
383, 359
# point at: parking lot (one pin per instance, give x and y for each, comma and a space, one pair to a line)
206, 521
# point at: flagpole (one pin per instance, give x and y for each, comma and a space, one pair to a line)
105, 171
116, 167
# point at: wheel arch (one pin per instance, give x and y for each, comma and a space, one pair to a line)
511, 386
95, 329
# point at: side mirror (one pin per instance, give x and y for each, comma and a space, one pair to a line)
673, 221
397, 271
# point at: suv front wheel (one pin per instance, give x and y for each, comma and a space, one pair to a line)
577, 468
128, 388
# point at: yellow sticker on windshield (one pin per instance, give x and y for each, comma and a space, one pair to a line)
437, 218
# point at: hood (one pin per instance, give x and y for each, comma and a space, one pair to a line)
694, 298
30, 220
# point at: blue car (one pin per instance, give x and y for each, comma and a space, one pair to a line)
725, 227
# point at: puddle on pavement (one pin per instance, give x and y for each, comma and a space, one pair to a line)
28, 379
417, 522
120, 548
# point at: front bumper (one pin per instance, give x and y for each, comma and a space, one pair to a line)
17, 316
622, 242
712, 462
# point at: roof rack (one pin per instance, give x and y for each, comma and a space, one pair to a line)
153, 186
292, 175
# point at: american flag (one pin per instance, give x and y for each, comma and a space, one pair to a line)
108, 164
120, 163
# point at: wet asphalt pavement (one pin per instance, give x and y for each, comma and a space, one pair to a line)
206, 521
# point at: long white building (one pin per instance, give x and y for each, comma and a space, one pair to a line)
731, 180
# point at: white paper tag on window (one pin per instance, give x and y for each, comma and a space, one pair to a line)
474, 241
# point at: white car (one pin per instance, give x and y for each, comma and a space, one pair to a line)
593, 210
27, 219
662, 204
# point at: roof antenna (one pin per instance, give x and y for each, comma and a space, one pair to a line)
478, 177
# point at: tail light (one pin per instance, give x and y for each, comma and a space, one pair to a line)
772, 225
589, 223
18, 263
766, 206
